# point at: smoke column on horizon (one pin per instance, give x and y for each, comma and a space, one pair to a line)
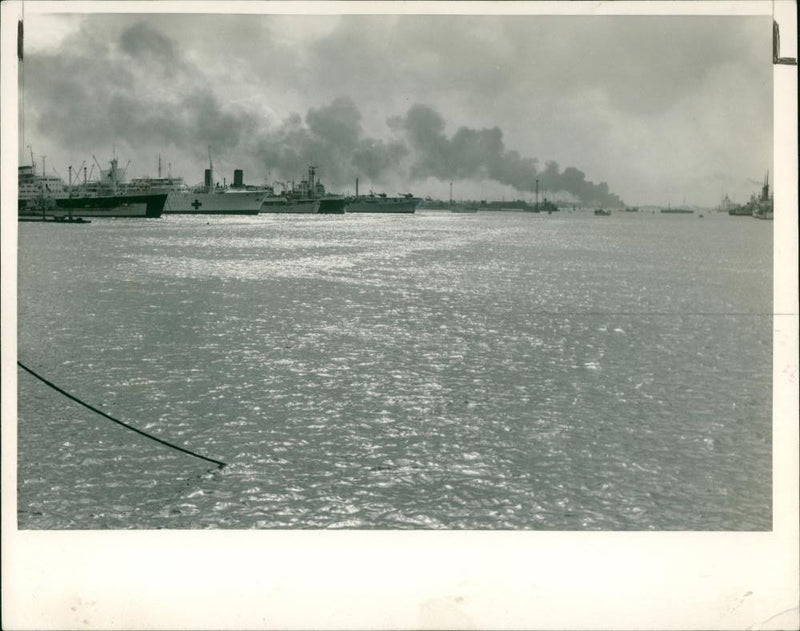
71, 107
481, 153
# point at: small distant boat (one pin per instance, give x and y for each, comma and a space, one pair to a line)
602, 213
52, 219
465, 208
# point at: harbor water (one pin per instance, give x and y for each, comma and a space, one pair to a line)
495, 370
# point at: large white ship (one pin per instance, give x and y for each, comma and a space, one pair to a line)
208, 199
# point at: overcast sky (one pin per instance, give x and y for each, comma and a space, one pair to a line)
643, 109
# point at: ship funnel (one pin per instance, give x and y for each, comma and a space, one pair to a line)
207, 180
356, 187
238, 178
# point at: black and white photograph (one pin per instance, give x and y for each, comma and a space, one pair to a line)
469, 272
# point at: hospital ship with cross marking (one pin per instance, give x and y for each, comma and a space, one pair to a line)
208, 199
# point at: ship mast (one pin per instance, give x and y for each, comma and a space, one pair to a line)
210, 171
312, 170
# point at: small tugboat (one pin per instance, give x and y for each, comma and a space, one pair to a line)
43, 210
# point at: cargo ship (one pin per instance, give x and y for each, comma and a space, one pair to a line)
309, 197
46, 196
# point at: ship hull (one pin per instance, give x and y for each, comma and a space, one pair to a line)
227, 203
399, 205
283, 206
127, 206
325, 206
332, 206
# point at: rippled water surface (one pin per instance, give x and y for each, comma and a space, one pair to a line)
495, 370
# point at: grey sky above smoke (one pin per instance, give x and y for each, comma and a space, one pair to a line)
658, 108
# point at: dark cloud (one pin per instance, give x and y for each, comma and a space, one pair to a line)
338, 123
636, 101
136, 89
141, 39
148, 103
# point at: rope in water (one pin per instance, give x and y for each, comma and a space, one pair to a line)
118, 422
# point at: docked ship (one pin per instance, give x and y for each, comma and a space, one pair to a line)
740, 211
677, 211
762, 207
208, 199
309, 197
46, 196
381, 203
547, 206
734, 209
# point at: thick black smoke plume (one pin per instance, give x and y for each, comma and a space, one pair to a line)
480, 153
140, 90
331, 137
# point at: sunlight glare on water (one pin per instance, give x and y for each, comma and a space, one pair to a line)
487, 371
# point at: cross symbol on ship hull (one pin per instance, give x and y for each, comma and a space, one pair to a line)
196, 204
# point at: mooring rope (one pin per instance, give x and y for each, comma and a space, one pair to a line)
118, 422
